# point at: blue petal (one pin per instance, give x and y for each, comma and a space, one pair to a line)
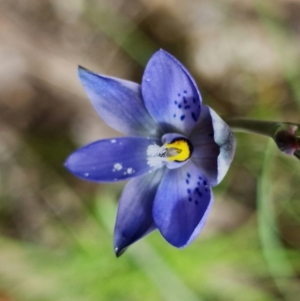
182, 204
170, 94
111, 159
206, 150
214, 146
119, 103
134, 217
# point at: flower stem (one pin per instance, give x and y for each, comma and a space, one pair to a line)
286, 135
261, 127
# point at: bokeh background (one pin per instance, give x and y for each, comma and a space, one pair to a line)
56, 230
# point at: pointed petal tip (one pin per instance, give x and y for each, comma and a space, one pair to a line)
69, 164
163, 53
82, 71
66, 163
81, 68
119, 251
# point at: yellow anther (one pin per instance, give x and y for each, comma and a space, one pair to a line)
178, 150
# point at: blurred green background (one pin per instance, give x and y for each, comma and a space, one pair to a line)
56, 230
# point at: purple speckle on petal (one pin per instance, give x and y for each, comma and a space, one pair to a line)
194, 116
190, 199
187, 181
188, 175
187, 107
184, 91
174, 115
194, 100
184, 100
178, 94
179, 106
188, 191
182, 117
175, 102
198, 192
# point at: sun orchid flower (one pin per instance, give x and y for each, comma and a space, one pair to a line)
176, 151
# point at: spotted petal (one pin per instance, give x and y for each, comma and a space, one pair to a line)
111, 160
181, 205
170, 94
206, 150
134, 217
119, 103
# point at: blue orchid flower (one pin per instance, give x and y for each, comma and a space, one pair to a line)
177, 150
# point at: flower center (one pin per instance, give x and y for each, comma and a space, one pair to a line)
178, 150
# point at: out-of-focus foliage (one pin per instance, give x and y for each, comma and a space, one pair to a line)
56, 230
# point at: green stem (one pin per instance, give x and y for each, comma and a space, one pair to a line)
266, 128
286, 135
